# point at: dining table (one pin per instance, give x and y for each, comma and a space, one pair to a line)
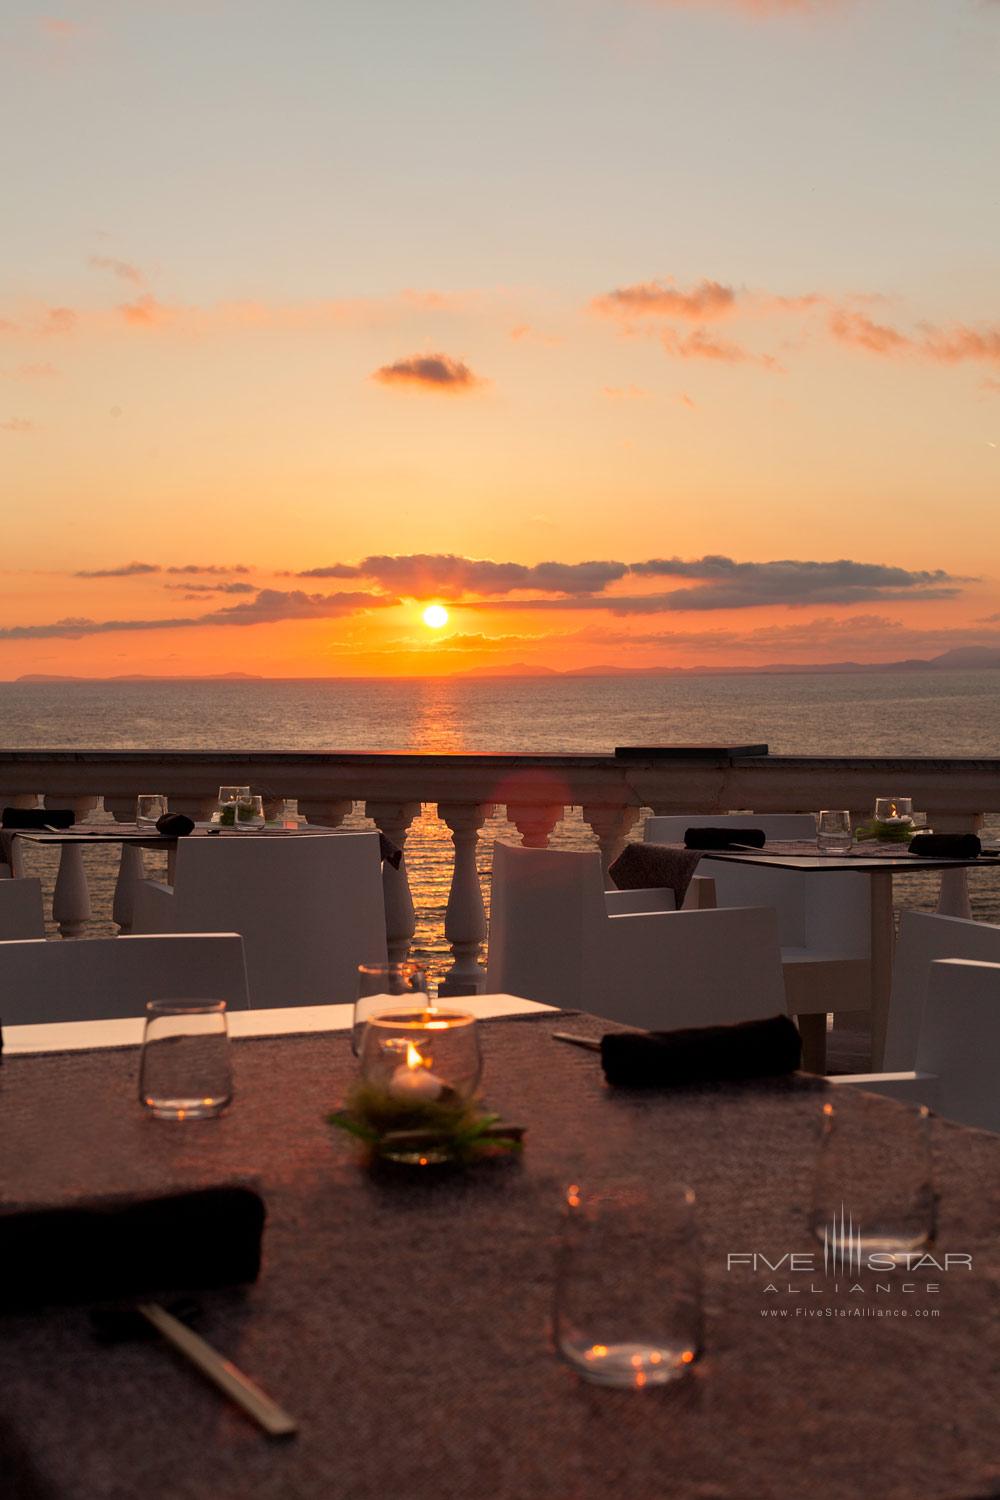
879, 863
403, 1317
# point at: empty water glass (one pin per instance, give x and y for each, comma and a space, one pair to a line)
185, 1072
833, 832
874, 1189
250, 813
380, 987
149, 807
229, 797
628, 1293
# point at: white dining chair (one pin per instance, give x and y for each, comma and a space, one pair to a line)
554, 939
103, 978
21, 912
957, 1058
923, 938
824, 920
309, 907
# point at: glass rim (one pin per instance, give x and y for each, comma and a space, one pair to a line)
430, 1018
185, 1007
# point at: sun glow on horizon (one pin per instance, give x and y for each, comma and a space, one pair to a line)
435, 616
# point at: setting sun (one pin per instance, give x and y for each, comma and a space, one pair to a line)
435, 615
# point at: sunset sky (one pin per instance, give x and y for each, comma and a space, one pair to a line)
643, 332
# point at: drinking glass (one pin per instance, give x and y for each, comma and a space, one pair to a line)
874, 1188
250, 813
628, 1291
148, 808
185, 1071
229, 797
833, 832
380, 987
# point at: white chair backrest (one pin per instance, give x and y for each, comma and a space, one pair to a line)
90, 979
923, 938
829, 912
536, 894
21, 913
960, 1040
553, 940
310, 909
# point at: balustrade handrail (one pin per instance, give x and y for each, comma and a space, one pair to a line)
955, 792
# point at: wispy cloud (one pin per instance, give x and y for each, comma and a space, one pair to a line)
705, 301
201, 590
17, 424
950, 346
420, 574
57, 27
270, 607
754, 9
624, 392
430, 372
123, 570
41, 371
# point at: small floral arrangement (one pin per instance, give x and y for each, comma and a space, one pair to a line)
424, 1132
899, 832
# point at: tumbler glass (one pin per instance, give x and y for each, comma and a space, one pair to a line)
833, 832
628, 1292
874, 1187
250, 813
381, 987
149, 807
185, 1071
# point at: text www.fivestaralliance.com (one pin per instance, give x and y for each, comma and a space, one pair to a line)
850, 1312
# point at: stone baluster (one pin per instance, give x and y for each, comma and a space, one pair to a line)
953, 893
534, 821
71, 897
325, 812
17, 799
394, 819
611, 824
465, 917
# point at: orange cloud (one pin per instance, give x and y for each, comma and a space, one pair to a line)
948, 346
707, 300
59, 320
16, 424
761, 9
53, 27
701, 345
624, 392
146, 312
430, 372
878, 338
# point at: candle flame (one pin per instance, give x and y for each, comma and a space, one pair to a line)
414, 1057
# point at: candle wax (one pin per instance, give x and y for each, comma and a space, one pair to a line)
415, 1084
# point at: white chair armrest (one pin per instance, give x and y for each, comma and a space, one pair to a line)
635, 903
701, 894
912, 1088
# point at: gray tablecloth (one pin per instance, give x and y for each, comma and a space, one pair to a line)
406, 1323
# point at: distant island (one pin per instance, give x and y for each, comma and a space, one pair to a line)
144, 677
959, 659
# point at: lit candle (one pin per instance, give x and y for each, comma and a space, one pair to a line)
413, 1080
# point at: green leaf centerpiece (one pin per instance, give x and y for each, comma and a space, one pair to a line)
449, 1129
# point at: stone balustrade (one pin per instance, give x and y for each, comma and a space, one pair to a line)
955, 793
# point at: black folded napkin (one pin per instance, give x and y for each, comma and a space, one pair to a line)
119, 1248
174, 825
37, 817
649, 866
701, 1054
946, 845
388, 851
723, 838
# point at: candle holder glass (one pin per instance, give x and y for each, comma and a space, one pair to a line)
422, 1054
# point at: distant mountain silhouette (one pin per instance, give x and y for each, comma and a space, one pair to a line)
959, 658
144, 677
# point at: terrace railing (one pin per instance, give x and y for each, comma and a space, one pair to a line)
956, 794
